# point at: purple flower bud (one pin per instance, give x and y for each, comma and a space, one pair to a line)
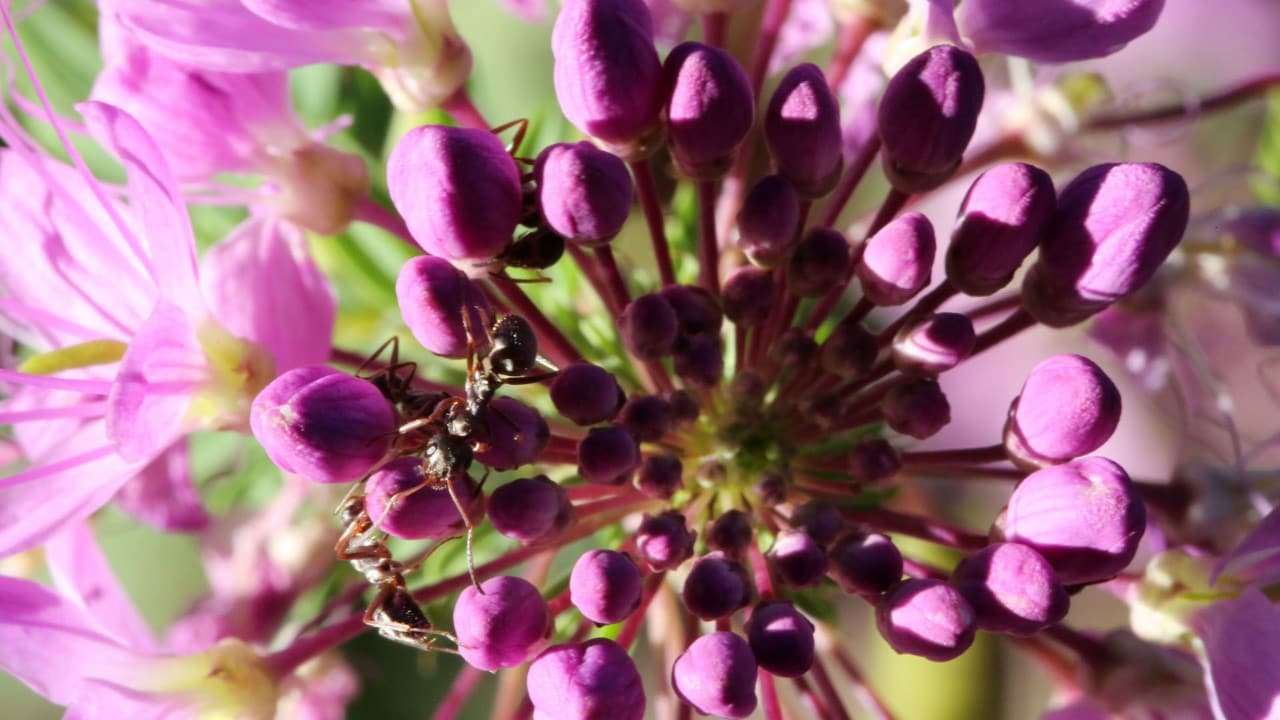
432, 294
1012, 589
715, 587
730, 533
916, 407
820, 520
819, 263
927, 115
1084, 517
324, 425
502, 627
794, 348
771, 488
587, 394
660, 476
1054, 32
608, 77
873, 461
457, 189
1113, 228
768, 220
684, 408
928, 618
648, 417
781, 639
584, 193
866, 565
532, 510
697, 310
699, 361
802, 128
709, 110
798, 559
747, 294
424, 508
717, 675
608, 455
897, 262
664, 541
1002, 219
649, 327
934, 345
517, 435
594, 680
849, 351
1068, 407
605, 586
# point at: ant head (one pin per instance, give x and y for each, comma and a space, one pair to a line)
515, 347
351, 510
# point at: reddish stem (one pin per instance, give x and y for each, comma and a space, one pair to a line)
647, 189
463, 111
962, 456
464, 683
1017, 322
850, 38
708, 249
369, 211
919, 527
852, 178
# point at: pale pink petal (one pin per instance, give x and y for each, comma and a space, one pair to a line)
99, 700
84, 578
808, 25
388, 15
1241, 656
163, 494
1078, 710
1055, 30
528, 10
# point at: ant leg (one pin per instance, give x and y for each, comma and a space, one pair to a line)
393, 343
403, 620
523, 126
439, 412
418, 562
345, 549
529, 379
466, 520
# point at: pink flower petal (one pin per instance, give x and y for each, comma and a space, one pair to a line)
1055, 30
1241, 656
105, 700
387, 15
1257, 557
82, 575
163, 495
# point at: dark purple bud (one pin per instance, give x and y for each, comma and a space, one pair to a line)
927, 115
1055, 32
594, 680
717, 676
322, 424
584, 193
608, 77
849, 351
873, 461
664, 541
1002, 219
697, 310
916, 407
710, 108
608, 455
1012, 589
730, 533
432, 294
587, 394
517, 435
457, 189
802, 128
820, 520
503, 626
699, 361
684, 408
1084, 517
648, 417
819, 263
897, 262
660, 476
934, 345
605, 586
1113, 228
532, 510
798, 559
747, 294
747, 389
795, 348
768, 222
649, 327
928, 618
404, 503
771, 488
866, 565
1068, 407
715, 587
781, 639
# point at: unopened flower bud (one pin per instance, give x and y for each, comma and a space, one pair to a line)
584, 193
649, 327
592, 680
794, 348
648, 417
433, 294
532, 510
771, 488
819, 263
820, 520
517, 435
897, 262
849, 351
730, 533
781, 639
457, 189
1068, 407
928, 618
664, 541
927, 115
866, 565
768, 220
1002, 219
717, 675
322, 424
716, 587
502, 624
1114, 226
916, 407
710, 108
660, 476
934, 345
798, 559
1012, 589
1084, 517
699, 361
587, 394
747, 294
873, 461
684, 408
401, 501
605, 586
802, 128
697, 310
608, 455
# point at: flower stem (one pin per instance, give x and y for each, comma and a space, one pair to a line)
828, 690
918, 527
923, 307
714, 27
1243, 92
850, 37
708, 247
962, 456
463, 111
647, 189
863, 692
464, 683
368, 210
1017, 322
852, 177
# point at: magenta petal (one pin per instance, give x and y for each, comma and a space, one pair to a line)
106, 700
263, 286
1257, 557
163, 495
1055, 30
1241, 654
81, 573
387, 15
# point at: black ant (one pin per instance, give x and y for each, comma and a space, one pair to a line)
535, 250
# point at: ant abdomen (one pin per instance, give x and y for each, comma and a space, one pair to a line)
515, 346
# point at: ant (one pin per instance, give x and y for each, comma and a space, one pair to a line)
541, 247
